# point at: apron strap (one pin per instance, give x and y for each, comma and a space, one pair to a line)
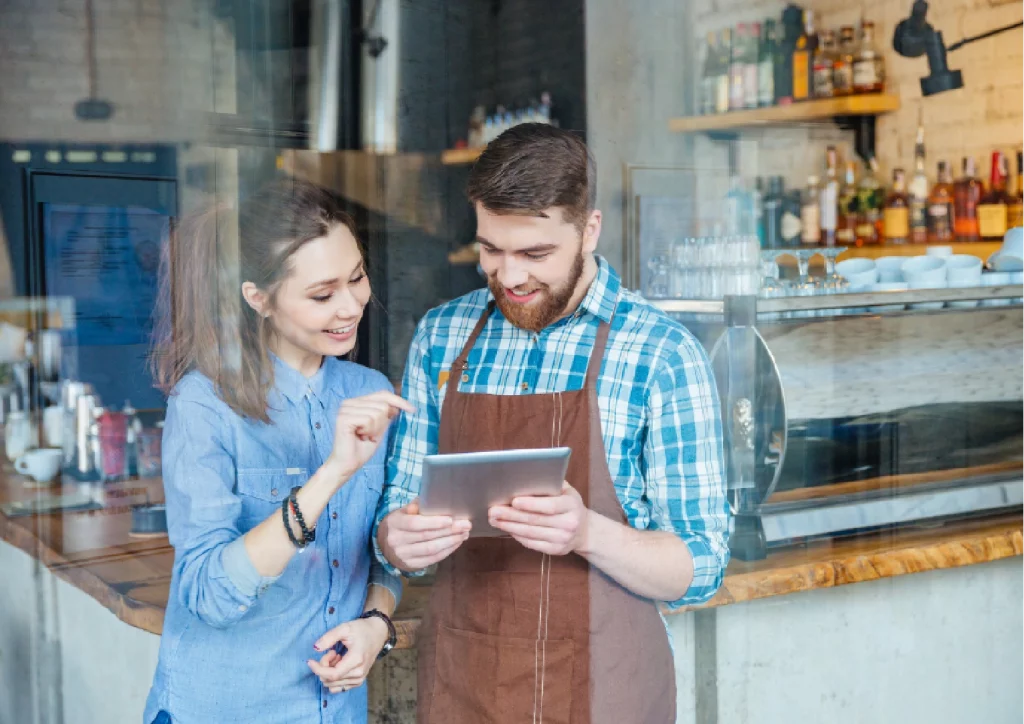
460, 362
597, 355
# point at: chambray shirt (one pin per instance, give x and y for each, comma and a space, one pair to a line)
235, 644
659, 407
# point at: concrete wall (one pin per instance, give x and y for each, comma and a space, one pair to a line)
64, 659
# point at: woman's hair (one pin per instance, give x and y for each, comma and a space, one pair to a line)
203, 323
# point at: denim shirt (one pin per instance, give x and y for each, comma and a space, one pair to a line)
235, 644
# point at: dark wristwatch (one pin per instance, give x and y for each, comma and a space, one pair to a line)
392, 634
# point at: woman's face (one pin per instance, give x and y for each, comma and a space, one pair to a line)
321, 300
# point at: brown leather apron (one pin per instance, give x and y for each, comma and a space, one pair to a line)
515, 636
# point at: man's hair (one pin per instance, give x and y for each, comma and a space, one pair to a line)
532, 167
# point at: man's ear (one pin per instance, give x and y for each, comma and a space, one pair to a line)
592, 232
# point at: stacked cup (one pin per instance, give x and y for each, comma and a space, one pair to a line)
925, 272
963, 271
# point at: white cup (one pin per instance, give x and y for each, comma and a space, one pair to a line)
925, 272
963, 270
1013, 242
939, 251
888, 287
41, 465
890, 269
996, 279
859, 272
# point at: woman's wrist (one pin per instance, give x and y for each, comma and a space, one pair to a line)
337, 471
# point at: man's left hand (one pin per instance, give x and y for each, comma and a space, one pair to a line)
552, 524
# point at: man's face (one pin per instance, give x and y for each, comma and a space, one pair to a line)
534, 264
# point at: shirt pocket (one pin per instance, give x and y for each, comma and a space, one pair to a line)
370, 485
263, 490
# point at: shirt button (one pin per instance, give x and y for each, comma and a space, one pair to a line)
525, 386
243, 608
325, 703
465, 378
335, 563
334, 516
273, 491
317, 426
331, 610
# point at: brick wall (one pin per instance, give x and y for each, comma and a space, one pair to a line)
158, 62
986, 114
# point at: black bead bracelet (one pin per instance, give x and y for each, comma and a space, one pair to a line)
307, 535
285, 507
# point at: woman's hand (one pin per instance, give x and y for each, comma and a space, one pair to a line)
363, 640
362, 425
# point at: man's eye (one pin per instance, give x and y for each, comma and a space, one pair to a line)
537, 257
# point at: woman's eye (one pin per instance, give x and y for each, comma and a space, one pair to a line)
324, 298
358, 279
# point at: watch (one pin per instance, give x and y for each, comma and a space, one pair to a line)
389, 645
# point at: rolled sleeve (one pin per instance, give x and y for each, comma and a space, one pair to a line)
380, 576
217, 581
415, 437
685, 464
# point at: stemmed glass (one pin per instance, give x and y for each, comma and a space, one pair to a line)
771, 286
805, 285
833, 283
657, 287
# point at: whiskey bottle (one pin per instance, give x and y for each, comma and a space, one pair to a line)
824, 66
803, 59
918, 192
868, 66
829, 198
810, 213
846, 228
966, 194
940, 207
842, 71
897, 210
992, 205
870, 200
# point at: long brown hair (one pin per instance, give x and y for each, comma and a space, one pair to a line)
203, 323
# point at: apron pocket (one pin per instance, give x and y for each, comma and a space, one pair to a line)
481, 678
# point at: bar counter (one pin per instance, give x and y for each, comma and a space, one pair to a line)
130, 576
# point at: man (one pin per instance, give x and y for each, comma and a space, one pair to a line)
557, 621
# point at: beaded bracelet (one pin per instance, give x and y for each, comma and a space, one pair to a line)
285, 506
307, 535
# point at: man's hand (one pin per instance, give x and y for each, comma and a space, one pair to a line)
412, 541
552, 524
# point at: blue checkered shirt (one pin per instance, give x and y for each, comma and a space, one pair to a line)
659, 408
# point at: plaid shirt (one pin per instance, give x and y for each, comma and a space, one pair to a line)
659, 408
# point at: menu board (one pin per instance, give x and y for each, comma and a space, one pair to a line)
107, 258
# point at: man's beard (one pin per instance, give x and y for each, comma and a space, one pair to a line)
549, 306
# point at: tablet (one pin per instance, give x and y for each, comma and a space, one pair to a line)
465, 485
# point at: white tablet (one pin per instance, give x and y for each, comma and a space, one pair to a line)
465, 485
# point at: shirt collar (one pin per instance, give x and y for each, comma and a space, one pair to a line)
293, 385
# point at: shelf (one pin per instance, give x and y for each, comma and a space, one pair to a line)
981, 249
460, 156
862, 105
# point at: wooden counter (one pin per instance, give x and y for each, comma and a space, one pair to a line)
131, 577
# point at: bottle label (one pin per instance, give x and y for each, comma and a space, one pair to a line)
846, 236
766, 83
801, 75
897, 223
750, 88
940, 221
790, 226
842, 78
823, 87
918, 214
810, 219
736, 86
829, 207
866, 231
865, 74
992, 220
722, 94
1014, 216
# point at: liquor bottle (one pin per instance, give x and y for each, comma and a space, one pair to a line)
824, 66
786, 37
842, 72
750, 66
709, 80
722, 72
791, 226
737, 68
918, 192
897, 210
966, 194
766, 65
1015, 209
803, 57
868, 65
810, 213
739, 208
774, 200
846, 228
829, 199
992, 205
940, 207
757, 202
870, 199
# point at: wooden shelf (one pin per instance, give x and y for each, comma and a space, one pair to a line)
862, 105
460, 156
981, 249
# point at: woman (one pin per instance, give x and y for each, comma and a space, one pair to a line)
273, 466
